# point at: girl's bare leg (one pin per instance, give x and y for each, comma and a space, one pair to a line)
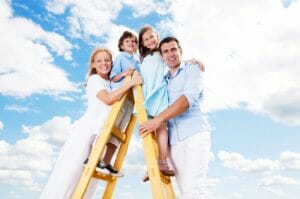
162, 139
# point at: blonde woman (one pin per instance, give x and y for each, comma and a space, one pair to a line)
69, 165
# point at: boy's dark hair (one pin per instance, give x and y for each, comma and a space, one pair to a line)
167, 40
126, 34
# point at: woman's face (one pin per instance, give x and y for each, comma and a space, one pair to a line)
102, 63
150, 39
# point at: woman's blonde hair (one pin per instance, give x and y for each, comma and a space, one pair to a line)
92, 70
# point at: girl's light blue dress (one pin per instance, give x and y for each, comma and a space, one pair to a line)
155, 93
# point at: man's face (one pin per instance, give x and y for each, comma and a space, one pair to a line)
171, 54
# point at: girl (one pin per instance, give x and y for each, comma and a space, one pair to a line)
69, 165
155, 93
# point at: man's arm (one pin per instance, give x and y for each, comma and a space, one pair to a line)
189, 98
177, 108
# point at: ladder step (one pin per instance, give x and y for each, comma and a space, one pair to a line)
102, 176
119, 135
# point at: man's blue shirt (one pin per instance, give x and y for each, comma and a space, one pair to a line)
187, 81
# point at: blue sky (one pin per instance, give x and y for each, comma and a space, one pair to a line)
251, 53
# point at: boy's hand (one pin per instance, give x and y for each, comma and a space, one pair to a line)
128, 71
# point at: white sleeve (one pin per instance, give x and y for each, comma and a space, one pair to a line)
94, 85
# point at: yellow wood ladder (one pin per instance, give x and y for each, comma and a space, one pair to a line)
120, 123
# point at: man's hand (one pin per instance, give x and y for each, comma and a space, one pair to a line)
196, 61
149, 126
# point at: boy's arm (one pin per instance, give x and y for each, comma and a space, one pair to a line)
123, 74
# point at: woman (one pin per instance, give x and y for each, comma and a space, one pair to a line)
69, 165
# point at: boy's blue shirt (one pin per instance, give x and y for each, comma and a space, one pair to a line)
122, 62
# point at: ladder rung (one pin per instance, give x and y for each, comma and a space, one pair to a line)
118, 134
165, 179
103, 176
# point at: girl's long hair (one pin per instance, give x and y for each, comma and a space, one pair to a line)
143, 50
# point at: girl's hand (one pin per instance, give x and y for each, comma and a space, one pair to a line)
196, 61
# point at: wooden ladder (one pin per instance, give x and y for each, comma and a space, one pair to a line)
120, 123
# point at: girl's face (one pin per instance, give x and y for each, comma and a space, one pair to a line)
102, 63
150, 39
129, 45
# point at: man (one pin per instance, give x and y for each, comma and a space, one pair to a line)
189, 133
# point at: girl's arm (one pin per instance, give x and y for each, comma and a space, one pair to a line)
111, 97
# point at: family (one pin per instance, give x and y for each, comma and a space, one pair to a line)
173, 94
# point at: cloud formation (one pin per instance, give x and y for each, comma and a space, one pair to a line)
33, 157
252, 56
288, 161
27, 57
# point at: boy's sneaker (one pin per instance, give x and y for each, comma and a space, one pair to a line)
101, 168
108, 169
113, 171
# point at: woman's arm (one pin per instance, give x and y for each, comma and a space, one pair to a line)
111, 97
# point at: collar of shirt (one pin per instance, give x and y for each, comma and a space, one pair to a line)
126, 54
168, 75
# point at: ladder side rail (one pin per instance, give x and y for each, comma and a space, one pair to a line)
98, 149
149, 150
120, 158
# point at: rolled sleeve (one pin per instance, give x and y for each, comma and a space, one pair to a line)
194, 84
117, 67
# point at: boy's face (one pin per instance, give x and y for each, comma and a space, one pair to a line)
129, 45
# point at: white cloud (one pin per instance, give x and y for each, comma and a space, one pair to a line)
251, 55
33, 156
278, 181
143, 8
55, 130
19, 109
88, 18
237, 162
19, 178
290, 160
5, 10
275, 191
212, 182
1, 125
27, 60
284, 106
